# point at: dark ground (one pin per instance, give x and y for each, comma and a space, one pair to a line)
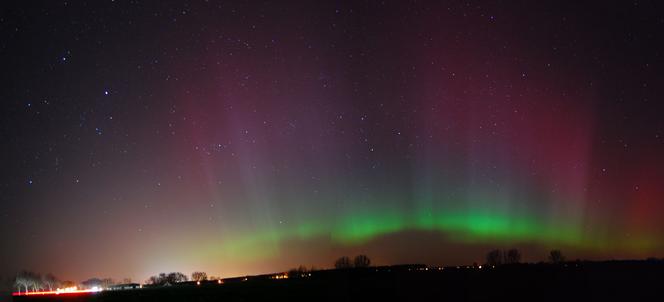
579, 281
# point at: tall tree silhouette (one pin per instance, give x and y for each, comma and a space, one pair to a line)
35, 281
198, 276
157, 279
165, 279
494, 257
22, 279
50, 281
362, 261
342, 263
513, 256
176, 277
556, 256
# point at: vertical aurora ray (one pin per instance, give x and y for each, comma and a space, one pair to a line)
514, 175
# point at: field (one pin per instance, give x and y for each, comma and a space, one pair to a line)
578, 281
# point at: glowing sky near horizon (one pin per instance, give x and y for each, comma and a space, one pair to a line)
243, 138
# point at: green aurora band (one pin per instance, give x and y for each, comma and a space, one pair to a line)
469, 227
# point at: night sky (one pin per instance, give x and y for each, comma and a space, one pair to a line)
249, 137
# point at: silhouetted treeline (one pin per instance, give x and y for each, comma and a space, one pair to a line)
167, 279
498, 257
513, 256
359, 261
28, 281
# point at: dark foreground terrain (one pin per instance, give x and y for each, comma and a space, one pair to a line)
577, 281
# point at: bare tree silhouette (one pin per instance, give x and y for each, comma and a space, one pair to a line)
361, 261
513, 256
176, 277
198, 276
160, 279
50, 281
556, 256
157, 279
22, 279
35, 281
342, 263
166, 279
494, 257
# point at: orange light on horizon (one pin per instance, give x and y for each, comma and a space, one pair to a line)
280, 276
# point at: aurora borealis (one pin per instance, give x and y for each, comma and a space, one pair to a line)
251, 137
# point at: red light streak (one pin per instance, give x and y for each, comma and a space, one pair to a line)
55, 292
